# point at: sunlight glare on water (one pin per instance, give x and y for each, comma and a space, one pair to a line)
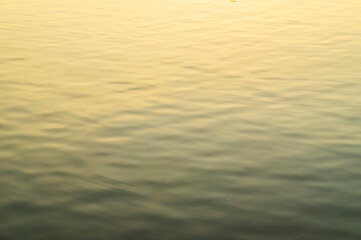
180, 119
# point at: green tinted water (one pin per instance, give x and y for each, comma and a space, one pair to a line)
180, 120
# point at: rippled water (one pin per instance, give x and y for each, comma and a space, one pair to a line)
203, 119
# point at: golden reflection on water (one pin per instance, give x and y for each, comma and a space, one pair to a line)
229, 121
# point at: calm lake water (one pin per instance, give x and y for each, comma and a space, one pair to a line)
180, 120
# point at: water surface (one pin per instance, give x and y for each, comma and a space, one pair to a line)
202, 119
